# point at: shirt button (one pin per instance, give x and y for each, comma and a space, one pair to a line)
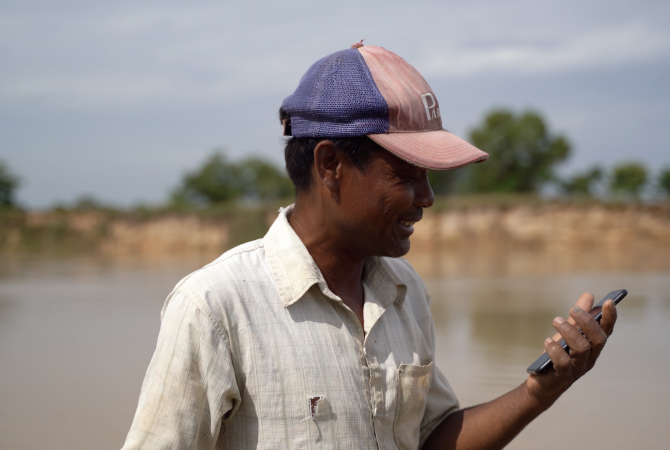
374, 414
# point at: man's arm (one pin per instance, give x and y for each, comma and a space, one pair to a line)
190, 384
493, 425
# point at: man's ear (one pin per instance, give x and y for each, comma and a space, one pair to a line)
329, 165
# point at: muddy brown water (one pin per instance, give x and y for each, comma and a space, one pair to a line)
76, 336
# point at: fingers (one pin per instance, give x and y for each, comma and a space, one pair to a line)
609, 317
596, 334
559, 357
585, 345
580, 348
585, 301
591, 329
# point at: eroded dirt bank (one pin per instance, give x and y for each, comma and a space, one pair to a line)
571, 227
551, 226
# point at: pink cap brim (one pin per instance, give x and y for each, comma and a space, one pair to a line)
433, 150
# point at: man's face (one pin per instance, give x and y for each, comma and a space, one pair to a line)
381, 205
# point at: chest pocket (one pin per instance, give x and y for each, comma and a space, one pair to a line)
413, 387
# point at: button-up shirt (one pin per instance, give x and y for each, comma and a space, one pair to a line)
255, 351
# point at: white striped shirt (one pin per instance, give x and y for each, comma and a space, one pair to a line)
256, 352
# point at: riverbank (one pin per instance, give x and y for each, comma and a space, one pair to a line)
549, 225
490, 222
133, 232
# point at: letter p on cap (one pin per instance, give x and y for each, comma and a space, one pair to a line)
424, 99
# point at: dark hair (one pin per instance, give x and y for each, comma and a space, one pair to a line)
299, 154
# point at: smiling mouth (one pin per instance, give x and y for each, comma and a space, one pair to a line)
407, 223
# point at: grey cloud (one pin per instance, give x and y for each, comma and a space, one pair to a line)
150, 87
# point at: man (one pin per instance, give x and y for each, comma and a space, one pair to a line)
318, 335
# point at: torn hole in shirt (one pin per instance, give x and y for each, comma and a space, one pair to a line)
314, 402
319, 409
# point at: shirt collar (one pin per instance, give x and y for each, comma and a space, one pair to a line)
295, 271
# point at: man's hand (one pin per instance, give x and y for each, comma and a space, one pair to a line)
494, 424
584, 348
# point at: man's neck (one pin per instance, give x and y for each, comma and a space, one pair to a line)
330, 248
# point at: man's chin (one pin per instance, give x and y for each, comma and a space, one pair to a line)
398, 249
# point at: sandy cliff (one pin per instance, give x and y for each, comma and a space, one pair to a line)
553, 226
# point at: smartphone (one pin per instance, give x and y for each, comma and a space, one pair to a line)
543, 363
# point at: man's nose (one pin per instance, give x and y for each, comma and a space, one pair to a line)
424, 196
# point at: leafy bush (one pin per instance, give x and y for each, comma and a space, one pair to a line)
664, 181
523, 153
629, 179
219, 180
8, 185
582, 183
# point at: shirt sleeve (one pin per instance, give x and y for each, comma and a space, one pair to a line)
190, 384
441, 400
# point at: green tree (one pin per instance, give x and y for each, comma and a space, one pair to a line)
261, 180
664, 181
523, 153
582, 183
219, 180
8, 185
214, 182
629, 179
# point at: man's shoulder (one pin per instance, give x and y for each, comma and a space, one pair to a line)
240, 265
229, 287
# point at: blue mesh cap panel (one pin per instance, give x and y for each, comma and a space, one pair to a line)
337, 97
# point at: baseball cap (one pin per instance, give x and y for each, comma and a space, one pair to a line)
370, 91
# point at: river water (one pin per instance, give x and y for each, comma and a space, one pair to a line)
77, 333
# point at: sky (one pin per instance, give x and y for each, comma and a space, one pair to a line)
119, 99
